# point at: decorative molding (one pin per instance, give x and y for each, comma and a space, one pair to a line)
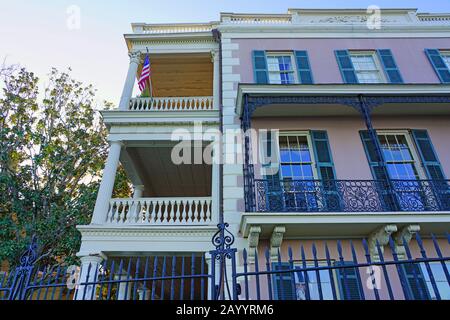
275, 241
382, 237
406, 234
90, 231
253, 240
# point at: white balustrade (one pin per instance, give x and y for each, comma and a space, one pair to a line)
160, 211
171, 104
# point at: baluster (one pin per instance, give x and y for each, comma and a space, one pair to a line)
194, 210
109, 215
152, 218
316, 265
165, 214
188, 212
209, 216
176, 211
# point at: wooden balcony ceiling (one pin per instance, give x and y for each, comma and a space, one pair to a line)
182, 75
163, 178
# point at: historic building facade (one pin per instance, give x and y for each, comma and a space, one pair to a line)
350, 139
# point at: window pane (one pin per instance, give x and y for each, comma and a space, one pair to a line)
307, 172
281, 70
446, 58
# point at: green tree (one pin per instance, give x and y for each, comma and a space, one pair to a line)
52, 151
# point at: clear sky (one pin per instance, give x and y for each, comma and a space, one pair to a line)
35, 33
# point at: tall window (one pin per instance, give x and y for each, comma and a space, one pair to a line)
398, 154
295, 157
281, 68
367, 67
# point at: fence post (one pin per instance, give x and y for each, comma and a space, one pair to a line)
90, 266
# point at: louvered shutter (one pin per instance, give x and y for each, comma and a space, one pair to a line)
261, 75
346, 66
438, 64
303, 67
390, 66
350, 287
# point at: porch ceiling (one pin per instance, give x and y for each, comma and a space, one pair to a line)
162, 178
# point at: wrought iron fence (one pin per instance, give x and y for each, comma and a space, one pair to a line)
274, 195
407, 271
340, 270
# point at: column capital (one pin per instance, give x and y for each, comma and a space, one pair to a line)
135, 56
116, 142
214, 54
94, 258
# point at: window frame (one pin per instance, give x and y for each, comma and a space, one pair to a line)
412, 148
376, 59
293, 63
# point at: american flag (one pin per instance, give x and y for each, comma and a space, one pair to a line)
145, 74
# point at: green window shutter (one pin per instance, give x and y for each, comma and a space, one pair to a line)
350, 287
378, 172
303, 67
261, 75
282, 283
438, 64
346, 66
390, 66
322, 153
271, 172
427, 154
415, 282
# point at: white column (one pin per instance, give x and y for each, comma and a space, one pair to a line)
124, 290
215, 192
90, 266
129, 81
216, 78
134, 211
106, 186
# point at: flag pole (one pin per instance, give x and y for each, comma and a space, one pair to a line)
150, 83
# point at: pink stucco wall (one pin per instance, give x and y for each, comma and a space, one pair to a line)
296, 245
408, 53
347, 150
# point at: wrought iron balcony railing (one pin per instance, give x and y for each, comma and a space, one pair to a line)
351, 195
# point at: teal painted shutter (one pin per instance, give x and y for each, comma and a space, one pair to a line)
261, 74
428, 156
304, 68
439, 65
350, 287
283, 282
346, 66
271, 173
378, 171
415, 281
390, 66
325, 168
322, 153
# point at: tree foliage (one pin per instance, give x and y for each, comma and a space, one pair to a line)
52, 151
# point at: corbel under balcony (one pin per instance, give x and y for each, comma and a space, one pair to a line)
404, 236
340, 225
